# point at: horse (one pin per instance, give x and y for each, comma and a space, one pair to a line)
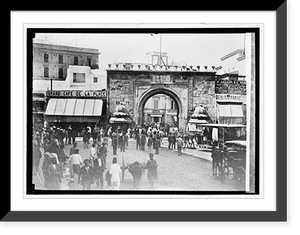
136, 169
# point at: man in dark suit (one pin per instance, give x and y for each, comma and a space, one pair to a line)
98, 170
86, 175
114, 143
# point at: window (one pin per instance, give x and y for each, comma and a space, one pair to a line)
155, 119
89, 60
60, 59
95, 79
78, 77
60, 72
173, 106
75, 60
46, 58
46, 72
156, 103
38, 106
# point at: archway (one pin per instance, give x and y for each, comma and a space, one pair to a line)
154, 91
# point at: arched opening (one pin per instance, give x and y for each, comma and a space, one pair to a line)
165, 106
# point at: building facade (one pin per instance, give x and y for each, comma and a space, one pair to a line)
80, 98
233, 63
161, 109
52, 61
50, 70
135, 85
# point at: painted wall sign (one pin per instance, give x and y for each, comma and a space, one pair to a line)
230, 87
228, 97
77, 93
39, 95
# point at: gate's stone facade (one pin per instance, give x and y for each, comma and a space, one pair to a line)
188, 88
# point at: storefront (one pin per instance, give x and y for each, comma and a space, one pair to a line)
76, 108
38, 109
230, 109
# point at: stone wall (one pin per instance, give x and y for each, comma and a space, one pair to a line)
190, 88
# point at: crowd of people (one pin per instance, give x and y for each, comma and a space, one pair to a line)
53, 140
85, 173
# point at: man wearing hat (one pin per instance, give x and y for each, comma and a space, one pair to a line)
86, 175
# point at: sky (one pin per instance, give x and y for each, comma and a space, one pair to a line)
189, 49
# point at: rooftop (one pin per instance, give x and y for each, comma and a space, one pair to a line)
52, 46
162, 68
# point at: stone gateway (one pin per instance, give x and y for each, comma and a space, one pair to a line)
134, 84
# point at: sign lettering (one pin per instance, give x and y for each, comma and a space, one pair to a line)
77, 93
230, 87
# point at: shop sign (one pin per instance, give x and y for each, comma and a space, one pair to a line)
77, 93
230, 87
38, 95
228, 97
161, 79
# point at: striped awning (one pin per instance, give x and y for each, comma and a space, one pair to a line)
230, 110
73, 108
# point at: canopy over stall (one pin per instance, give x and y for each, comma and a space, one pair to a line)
121, 117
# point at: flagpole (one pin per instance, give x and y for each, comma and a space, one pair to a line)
160, 60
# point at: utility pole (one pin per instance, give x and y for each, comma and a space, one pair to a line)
160, 59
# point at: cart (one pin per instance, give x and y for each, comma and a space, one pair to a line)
235, 160
228, 145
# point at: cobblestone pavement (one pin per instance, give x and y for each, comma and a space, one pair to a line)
185, 172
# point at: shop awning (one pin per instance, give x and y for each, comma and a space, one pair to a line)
70, 110
230, 110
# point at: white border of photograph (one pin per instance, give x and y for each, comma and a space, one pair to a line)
264, 201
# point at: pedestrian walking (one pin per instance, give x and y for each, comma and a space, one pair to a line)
173, 141
37, 155
151, 166
62, 158
156, 144
149, 143
169, 140
179, 145
70, 134
75, 162
45, 166
122, 141
126, 137
115, 171
93, 154
114, 143
53, 179
66, 131
137, 136
103, 153
143, 141
85, 136
109, 132
86, 175
72, 150
108, 179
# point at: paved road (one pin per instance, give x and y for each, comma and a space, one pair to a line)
185, 172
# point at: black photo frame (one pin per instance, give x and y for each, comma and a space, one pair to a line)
280, 214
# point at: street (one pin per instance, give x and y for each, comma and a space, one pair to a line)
185, 172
